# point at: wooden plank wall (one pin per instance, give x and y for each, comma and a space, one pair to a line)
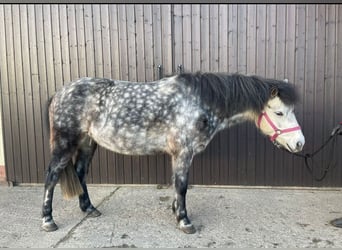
46, 46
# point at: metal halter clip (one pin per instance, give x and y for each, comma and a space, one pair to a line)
337, 130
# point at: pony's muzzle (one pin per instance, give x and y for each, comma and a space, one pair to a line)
300, 143
299, 146
296, 145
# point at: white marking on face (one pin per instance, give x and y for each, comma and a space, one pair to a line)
283, 117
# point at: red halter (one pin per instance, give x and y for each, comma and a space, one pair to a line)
277, 131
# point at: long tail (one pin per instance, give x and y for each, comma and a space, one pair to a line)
70, 183
49, 116
68, 179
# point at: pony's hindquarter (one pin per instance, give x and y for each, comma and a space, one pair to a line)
65, 143
68, 179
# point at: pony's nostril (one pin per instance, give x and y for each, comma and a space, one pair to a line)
299, 145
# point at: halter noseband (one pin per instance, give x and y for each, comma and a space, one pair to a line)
277, 131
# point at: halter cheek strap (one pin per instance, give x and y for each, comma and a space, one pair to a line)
277, 131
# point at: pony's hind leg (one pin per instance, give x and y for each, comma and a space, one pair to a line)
59, 161
83, 159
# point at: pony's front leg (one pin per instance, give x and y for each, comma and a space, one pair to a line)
181, 164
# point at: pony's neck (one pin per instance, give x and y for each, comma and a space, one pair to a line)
238, 118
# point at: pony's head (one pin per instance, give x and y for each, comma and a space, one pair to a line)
278, 121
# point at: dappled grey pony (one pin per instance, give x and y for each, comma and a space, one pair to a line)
177, 115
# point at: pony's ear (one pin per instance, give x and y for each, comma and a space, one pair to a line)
274, 92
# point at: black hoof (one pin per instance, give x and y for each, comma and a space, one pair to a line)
337, 222
93, 212
49, 226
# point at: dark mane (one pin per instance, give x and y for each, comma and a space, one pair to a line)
234, 93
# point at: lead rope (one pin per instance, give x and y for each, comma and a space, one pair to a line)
333, 137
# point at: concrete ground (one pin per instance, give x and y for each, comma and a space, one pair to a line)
140, 216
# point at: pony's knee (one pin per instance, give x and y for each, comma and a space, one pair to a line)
55, 168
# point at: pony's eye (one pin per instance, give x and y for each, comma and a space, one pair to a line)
279, 113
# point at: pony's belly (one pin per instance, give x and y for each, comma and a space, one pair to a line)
129, 143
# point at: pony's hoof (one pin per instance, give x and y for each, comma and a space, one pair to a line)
188, 229
49, 226
186, 226
93, 213
337, 222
